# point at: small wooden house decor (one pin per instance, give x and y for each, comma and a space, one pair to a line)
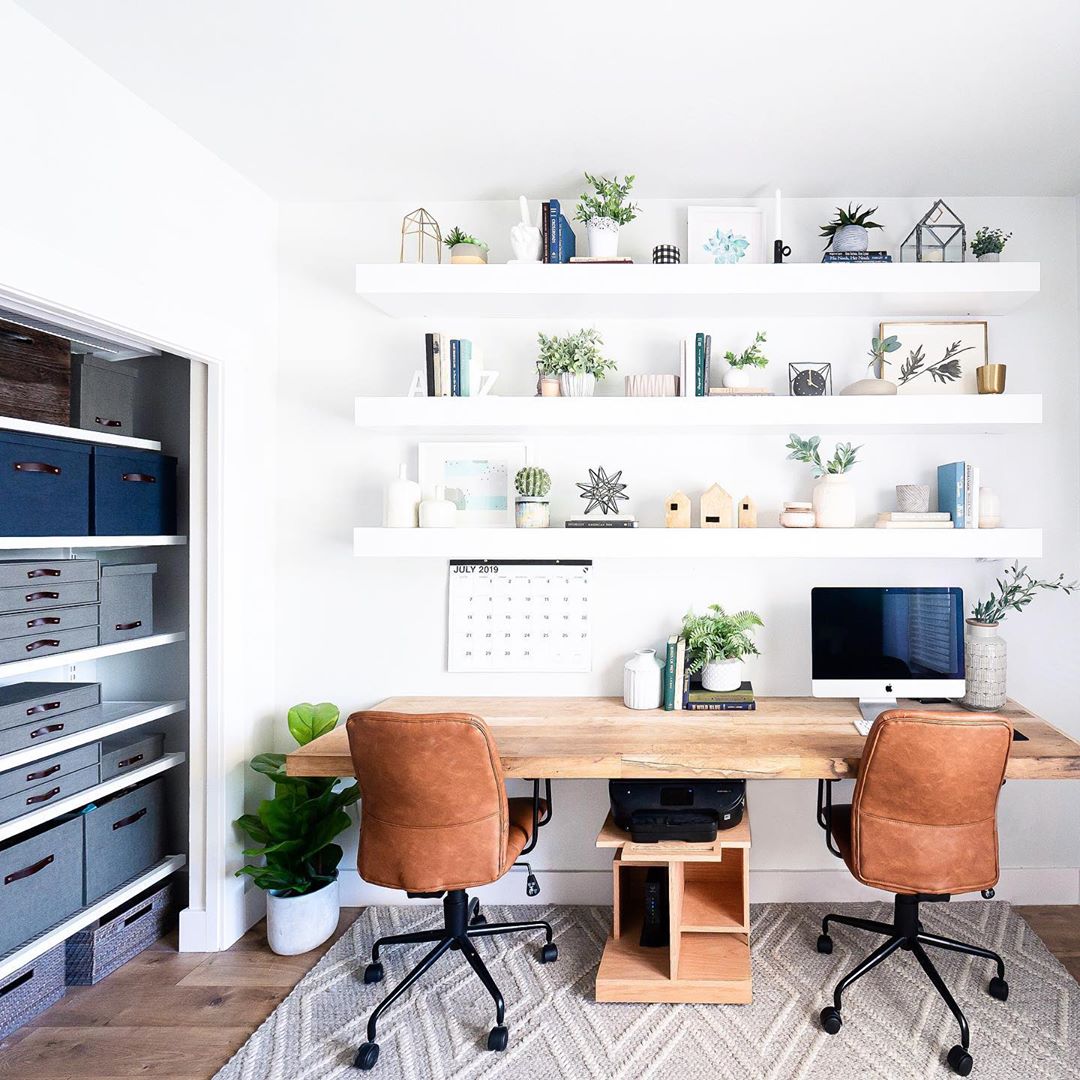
747, 513
424, 227
717, 509
677, 511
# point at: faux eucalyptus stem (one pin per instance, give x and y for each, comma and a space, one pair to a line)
1015, 591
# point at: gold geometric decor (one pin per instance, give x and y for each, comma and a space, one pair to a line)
424, 227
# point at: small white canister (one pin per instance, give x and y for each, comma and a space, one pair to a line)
798, 515
643, 680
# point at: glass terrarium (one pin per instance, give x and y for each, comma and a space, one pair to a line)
939, 236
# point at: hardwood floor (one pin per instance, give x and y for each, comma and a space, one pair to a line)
181, 1016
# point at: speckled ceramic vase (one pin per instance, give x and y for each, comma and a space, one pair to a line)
984, 667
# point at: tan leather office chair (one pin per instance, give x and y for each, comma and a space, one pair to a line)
921, 824
436, 821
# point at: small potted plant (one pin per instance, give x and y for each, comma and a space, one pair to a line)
531, 508
716, 645
989, 244
738, 373
984, 650
604, 211
293, 835
848, 230
876, 384
834, 498
465, 248
575, 359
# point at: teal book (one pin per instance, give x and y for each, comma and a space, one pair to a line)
951, 493
699, 365
669, 673
455, 367
465, 364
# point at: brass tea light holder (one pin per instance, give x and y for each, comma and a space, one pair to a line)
990, 378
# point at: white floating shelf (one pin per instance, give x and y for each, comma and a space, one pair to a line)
558, 543
35, 543
59, 431
49, 939
974, 414
879, 290
82, 656
114, 717
26, 822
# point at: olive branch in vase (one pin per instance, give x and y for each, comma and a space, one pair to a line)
945, 370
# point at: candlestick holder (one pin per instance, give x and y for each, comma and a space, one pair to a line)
780, 251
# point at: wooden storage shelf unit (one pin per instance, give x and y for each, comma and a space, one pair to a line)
707, 891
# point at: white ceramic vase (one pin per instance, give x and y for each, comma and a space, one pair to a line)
834, 502
298, 924
850, 238
735, 378
984, 667
400, 510
577, 385
603, 234
438, 513
722, 675
642, 680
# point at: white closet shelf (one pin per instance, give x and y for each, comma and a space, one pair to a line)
82, 656
971, 413
49, 939
60, 431
640, 543
37, 543
879, 290
26, 822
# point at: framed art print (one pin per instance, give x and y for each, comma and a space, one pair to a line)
725, 235
478, 477
936, 357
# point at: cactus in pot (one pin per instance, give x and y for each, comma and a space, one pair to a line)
531, 509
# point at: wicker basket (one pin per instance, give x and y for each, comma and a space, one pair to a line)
31, 990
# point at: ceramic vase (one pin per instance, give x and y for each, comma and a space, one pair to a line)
834, 502
298, 924
532, 512
797, 515
466, 254
989, 509
603, 236
984, 667
402, 503
642, 680
869, 388
577, 385
734, 378
437, 513
722, 675
850, 238
990, 256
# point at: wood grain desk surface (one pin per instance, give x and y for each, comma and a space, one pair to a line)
598, 737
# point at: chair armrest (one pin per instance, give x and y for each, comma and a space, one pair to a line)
824, 814
538, 821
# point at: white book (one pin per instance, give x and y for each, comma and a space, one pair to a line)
682, 368
913, 524
900, 515
444, 363
971, 496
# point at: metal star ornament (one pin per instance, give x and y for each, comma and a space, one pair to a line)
603, 491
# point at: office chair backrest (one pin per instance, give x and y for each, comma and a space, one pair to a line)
925, 803
434, 812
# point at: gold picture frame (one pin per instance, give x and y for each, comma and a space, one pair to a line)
936, 357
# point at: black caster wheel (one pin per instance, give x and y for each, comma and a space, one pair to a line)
960, 1061
831, 1020
824, 943
373, 973
497, 1038
478, 920
549, 953
366, 1056
999, 989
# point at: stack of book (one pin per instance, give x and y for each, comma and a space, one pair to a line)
695, 354
684, 691
597, 521
856, 257
903, 520
618, 260
958, 493
559, 243
739, 391
448, 364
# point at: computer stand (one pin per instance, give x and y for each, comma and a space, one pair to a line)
871, 709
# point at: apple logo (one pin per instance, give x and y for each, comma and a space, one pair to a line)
888, 688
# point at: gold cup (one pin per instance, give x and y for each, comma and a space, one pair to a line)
991, 378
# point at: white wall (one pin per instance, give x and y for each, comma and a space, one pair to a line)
109, 210
354, 631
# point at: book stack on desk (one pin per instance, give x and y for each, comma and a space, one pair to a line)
684, 691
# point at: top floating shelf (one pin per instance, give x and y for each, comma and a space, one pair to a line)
880, 290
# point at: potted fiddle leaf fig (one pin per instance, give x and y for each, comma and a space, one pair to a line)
848, 230
464, 247
717, 643
604, 211
293, 841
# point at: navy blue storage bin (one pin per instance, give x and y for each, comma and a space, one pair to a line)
44, 486
134, 493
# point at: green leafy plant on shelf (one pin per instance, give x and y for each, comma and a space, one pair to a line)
807, 451
532, 482
1014, 592
456, 237
843, 218
717, 635
989, 241
294, 831
607, 200
573, 354
879, 350
749, 357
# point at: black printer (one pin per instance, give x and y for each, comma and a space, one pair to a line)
691, 810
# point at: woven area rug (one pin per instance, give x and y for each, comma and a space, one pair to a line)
894, 1023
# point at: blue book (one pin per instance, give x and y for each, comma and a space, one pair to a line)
567, 240
466, 367
455, 367
553, 230
950, 492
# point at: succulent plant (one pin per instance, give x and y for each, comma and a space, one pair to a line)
532, 482
858, 216
456, 236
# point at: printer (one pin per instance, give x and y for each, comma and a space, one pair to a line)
692, 810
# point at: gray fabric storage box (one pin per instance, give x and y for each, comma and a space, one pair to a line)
41, 572
41, 880
124, 836
38, 595
44, 622
51, 768
127, 601
28, 992
26, 702
129, 750
116, 938
102, 395
45, 643
48, 791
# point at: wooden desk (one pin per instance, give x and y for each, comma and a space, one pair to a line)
598, 737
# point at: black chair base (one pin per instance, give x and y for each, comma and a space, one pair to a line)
906, 932
462, 922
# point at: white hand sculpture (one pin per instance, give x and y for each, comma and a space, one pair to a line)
525, 238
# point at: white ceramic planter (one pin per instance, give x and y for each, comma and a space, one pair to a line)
643, 680
532, 512
985, 667
298, 924
468, 254
577, 385
402, 504
734, 378
990, 256
722, 675
850, 238
834, 502
603, 234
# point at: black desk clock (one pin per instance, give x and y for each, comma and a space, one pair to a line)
809, 380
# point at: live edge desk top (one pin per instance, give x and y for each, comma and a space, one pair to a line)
598, 737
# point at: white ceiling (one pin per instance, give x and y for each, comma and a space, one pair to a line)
420, 100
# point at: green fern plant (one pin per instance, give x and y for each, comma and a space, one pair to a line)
717, 635
750, 357
806, 451
532, 482
858, 216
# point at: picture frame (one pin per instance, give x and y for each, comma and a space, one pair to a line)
725, 235
936, 357
478, 477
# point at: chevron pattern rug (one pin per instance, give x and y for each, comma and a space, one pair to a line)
894, 1023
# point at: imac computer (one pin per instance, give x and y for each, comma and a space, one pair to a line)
878, 644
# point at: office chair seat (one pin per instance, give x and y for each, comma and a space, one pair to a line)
521, 825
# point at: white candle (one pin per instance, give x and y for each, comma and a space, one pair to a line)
779, 218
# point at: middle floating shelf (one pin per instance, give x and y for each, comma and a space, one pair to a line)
775, 543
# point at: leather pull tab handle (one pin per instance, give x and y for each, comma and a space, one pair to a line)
37, 467
43, 773
35, 799
32, 596
128, 625
138, 478
49, 729
128, 762
47, 706
123, 823
45, 620
29, 871
43, 643
44, 571
107, 423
